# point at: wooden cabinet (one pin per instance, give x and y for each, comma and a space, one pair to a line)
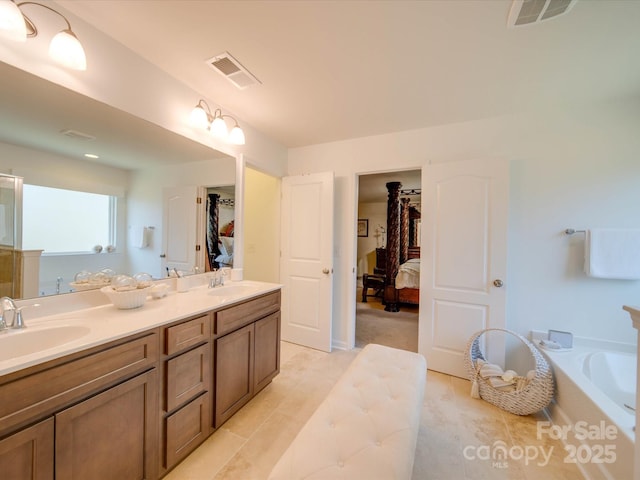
234, 372
187, 401
267, 351
187, 428
110, 435
133, 408
81, 412
28, 454
45, 389
247, 352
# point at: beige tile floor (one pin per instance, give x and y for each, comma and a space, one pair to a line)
454, 431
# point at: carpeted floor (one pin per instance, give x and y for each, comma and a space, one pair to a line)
374, 325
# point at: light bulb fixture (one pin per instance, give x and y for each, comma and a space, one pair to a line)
12, 24
65, 48
201, 117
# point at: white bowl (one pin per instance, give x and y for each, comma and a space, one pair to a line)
127, 299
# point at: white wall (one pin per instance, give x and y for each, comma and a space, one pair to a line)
118, 77
573, 167
145, 201
376, 213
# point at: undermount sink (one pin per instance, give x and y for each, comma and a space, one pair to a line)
16, 343
232, 290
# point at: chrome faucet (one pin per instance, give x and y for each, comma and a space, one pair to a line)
217, 279
9, 305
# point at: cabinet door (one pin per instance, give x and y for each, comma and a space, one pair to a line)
111, 435
28, 454
234, 372
267, 350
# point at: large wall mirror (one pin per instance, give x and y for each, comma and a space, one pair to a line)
45, 132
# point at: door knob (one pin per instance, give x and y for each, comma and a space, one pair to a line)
498, 283
325, 271
162, 255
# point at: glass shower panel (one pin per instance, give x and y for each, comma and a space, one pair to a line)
10, 224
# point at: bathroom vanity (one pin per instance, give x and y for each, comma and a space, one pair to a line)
140, 389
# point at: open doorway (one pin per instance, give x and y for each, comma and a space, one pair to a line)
388, 255
219, 227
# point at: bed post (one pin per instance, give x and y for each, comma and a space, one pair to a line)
212, 231
393, 247
404, 230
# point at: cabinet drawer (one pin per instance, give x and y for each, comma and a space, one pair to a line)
187, 375
186, 429
186, 335
237, 316
47, 390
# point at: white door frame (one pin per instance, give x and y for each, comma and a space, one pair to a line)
352, 283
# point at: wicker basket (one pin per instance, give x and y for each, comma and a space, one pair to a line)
532, 398
127, 299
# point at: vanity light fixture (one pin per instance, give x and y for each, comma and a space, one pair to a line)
202, 117
65, 48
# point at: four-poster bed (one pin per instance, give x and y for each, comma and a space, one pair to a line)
397, 272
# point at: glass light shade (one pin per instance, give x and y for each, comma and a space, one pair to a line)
219, 127
12, 25
236, 136
198, 117
65, 48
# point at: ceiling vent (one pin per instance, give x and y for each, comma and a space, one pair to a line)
76, 135
232, 70
527, 12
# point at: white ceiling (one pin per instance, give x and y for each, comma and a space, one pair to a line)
333, 70
34, 112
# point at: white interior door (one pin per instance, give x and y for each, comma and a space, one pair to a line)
464, 255
182, 217
306, 265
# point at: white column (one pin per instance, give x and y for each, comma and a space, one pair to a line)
635, 317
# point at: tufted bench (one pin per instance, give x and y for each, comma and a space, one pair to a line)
367, 426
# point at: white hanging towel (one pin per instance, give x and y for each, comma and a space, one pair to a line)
612, 253
139, 236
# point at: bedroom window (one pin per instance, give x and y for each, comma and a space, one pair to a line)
62, 221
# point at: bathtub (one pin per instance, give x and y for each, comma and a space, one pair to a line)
596, 394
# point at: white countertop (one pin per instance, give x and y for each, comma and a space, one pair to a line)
106, 323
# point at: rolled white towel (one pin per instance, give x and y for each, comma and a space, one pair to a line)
497, 382
489, 370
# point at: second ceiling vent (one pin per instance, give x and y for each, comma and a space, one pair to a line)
527, 12
226, 65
